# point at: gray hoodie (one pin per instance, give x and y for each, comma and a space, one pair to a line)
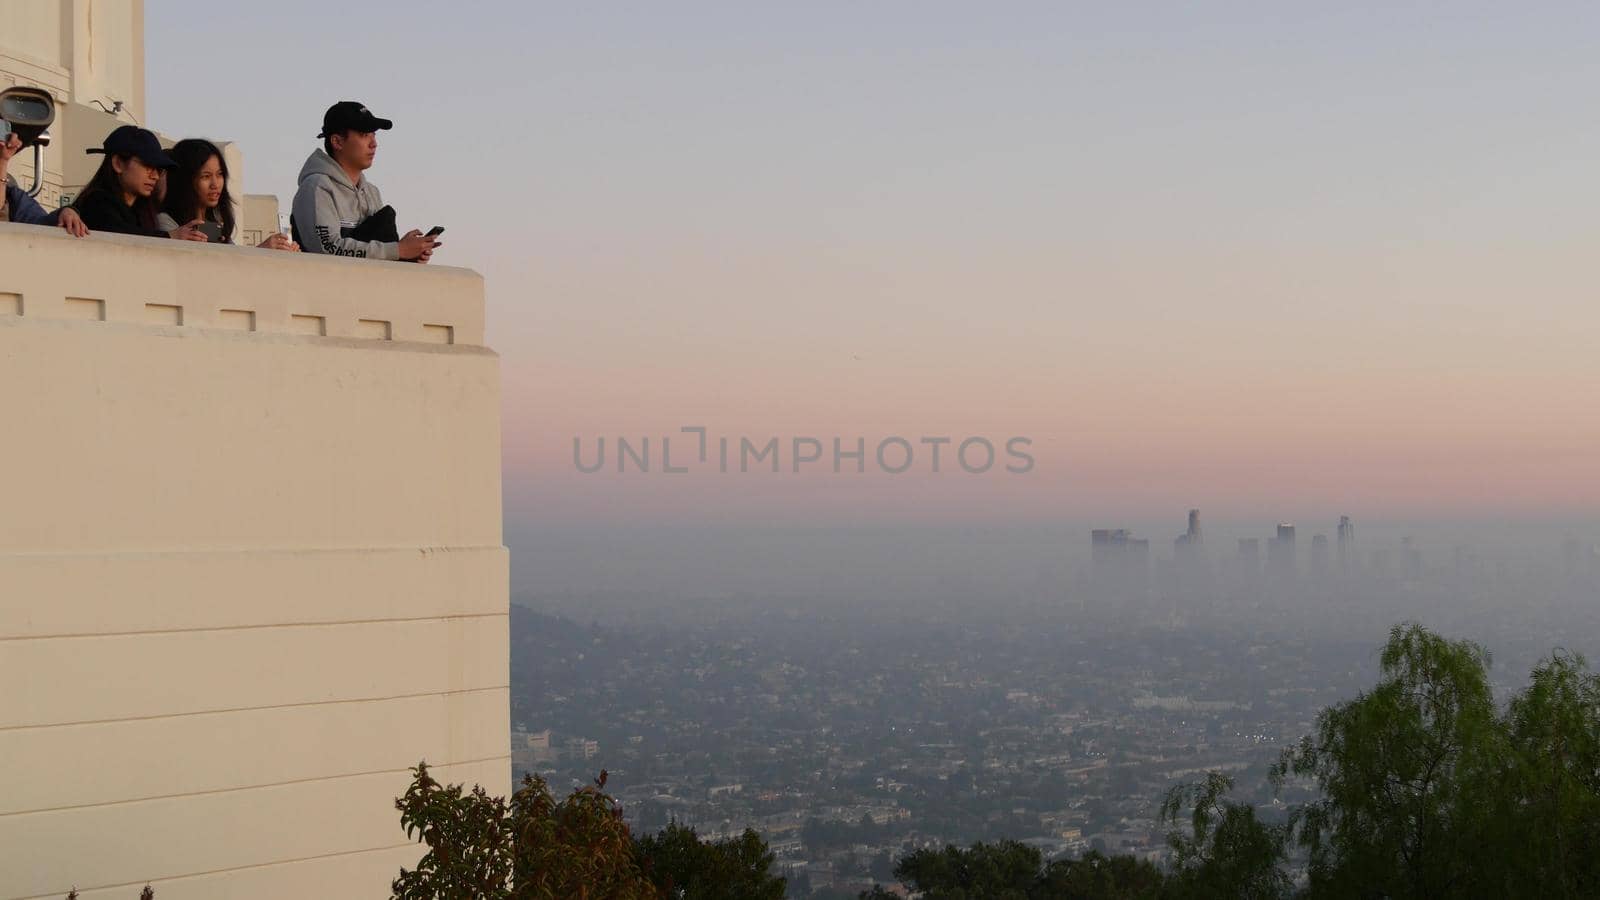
328, 205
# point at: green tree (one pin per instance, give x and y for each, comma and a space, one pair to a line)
1551, 805
578, 848
683, 866
533, 848
468, 835
1008, 870
1228, 852
1005, 870
1405, 771
1096, 876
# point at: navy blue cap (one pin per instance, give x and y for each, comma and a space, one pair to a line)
131, 140
350, 115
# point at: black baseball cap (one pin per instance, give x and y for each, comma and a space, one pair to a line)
349, 115
131, 140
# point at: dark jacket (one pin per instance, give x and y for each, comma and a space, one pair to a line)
25, 210
105, 211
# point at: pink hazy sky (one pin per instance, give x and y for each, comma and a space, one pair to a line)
1233, 256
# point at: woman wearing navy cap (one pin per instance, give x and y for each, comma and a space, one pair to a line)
121, 196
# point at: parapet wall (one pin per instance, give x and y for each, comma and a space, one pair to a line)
251, 564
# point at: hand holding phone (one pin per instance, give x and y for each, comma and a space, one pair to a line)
435, 231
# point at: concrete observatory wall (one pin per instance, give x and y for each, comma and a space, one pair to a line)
250, 565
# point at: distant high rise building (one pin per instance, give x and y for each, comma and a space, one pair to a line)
1319, 555
1139, 553
1116, 549
1347, 542
1188, 543
1382, 566
1107, 546
1242, 575
1250, 554
1192, 578
1280, 551
1119, 562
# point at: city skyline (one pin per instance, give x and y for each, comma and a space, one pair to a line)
837, 448
1238, 259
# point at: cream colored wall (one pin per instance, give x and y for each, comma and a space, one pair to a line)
260, 218
249, 572
107, 47
81, 51
90, 49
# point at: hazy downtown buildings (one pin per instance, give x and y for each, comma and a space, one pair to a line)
1119, 565
1319, 555
1281, 552
1191, 538
1249, 555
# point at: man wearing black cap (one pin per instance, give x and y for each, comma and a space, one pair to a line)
338, 211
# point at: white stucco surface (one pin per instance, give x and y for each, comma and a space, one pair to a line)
251, 564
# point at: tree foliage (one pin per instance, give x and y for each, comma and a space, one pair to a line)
532, 848
536, 848
1227, 852
468, 838
1425, 788
580, 847
1096, 876
1004, 870
1407, 772
1008, 870
682, 865
1550, 805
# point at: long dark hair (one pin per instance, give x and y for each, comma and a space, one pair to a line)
183, 201
107, 181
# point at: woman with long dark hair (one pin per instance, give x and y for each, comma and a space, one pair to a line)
121, 197
197, 190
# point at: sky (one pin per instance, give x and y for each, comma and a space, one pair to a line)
1279, 262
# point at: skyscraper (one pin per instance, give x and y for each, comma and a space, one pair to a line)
1107, 547
1249, 554
1189, 542
1119, 563
1280, 552
1191, 572
1347, 542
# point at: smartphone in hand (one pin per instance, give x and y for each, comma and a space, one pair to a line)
435, 231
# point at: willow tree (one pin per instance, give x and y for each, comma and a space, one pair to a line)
1409, 774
